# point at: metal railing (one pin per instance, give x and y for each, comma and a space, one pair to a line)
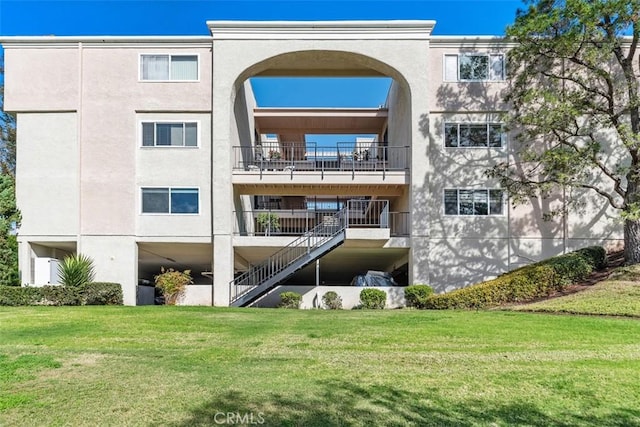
308, 157
294, 222
288, 255
356, 213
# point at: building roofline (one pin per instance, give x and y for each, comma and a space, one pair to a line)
9, 41
332, 30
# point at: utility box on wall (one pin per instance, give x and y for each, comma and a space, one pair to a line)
46, 271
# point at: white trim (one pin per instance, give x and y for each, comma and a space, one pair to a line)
169, 187
488, 190
475, 53
321, 30
503, 139
169, 54
140, 133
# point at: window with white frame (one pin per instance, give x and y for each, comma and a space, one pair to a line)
474, 135
473, 202
169, 67
170, 200
474, 67
169, 134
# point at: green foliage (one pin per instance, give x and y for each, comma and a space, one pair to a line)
415, 295
332, 300
9, 219
596, 255
372, 298
101, 293
16, 295
60, 295
76, 270
172, 284
9, 214
87, 294
575, 106
290, 300
269, 222
523, 284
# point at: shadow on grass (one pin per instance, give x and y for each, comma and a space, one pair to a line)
344, 404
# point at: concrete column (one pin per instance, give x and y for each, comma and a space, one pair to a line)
223, 268
116, 260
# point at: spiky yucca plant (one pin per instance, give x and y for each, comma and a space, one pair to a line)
76, 270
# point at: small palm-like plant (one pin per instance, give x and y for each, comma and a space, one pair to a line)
76, 270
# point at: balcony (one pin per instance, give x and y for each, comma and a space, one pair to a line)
296, 222
299, 160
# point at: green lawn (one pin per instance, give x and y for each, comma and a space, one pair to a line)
184, 366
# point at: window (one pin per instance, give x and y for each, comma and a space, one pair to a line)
170, 200
473, 67
169, 134
169, 67
474, 135
473, 202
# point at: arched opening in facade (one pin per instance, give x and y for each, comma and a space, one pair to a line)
296, 167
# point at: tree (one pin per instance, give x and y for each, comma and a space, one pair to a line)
9, 214
575, 106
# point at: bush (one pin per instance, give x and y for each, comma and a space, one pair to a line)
88, 294
59, 295
523, 284
290, 300
596, 255
76, 270
172, 283
373, 298
101, 293
332, 300
15, 295
415, 295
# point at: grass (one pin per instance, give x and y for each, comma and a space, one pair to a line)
184, 366
617, 296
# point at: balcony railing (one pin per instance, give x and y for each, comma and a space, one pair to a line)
305, 157
295, 222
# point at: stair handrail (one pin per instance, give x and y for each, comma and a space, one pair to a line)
273, 262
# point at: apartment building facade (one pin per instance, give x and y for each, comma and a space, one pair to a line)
150, 152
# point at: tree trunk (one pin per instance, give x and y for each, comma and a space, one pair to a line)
632, 241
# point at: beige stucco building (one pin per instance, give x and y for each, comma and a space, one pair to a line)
150, 152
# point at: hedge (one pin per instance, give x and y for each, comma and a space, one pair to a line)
95, 293
523, 284
415, 293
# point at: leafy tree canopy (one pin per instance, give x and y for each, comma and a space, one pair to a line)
575, 106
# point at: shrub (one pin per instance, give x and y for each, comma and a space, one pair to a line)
332, 300
524, 284
373, 298
290, 300
59, 295
76, 270
596, 255
15, 295
101, 293
416, 294
172, 283
88, 294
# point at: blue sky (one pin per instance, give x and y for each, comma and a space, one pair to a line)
187, 17
179, 17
